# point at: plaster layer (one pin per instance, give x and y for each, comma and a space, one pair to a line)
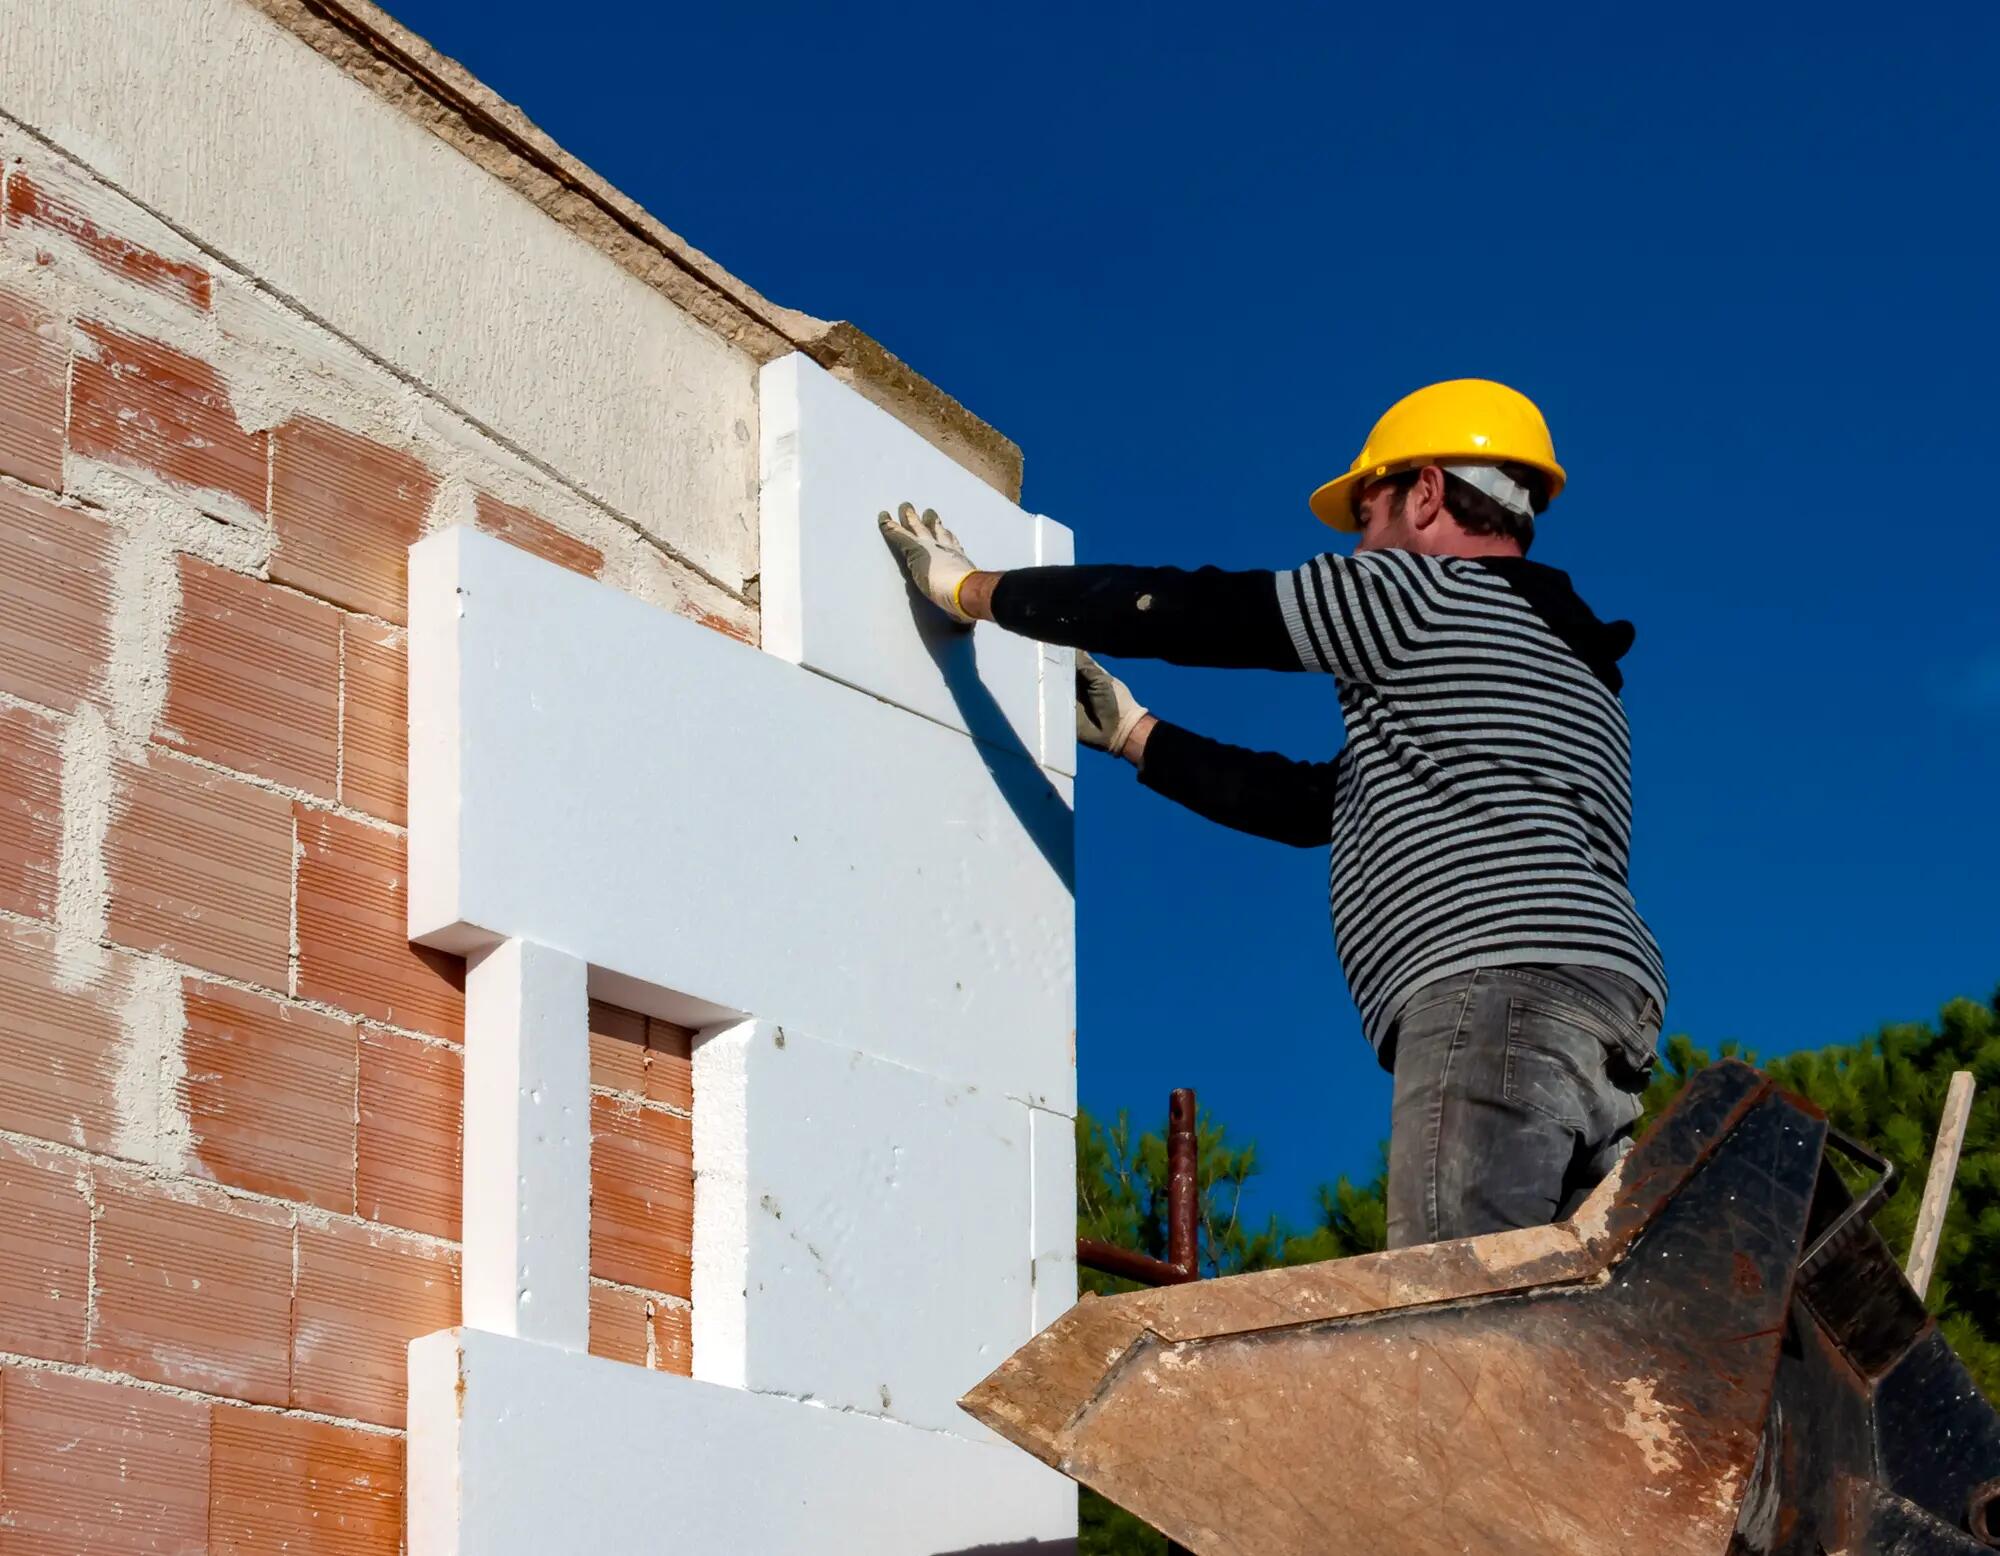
301, 176
278, 364
519, 1449
770, 842
448, 101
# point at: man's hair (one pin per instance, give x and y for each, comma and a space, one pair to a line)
1478, 514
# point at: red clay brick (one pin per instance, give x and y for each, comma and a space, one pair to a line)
31, 205
364, 1294
375, 720
639, 1327
412, 1128
346, 511
45, 1269
280, 1483
201, 869
639, 1056
138, 402
254, 679
270, 1095
618, 1324
101, 1468
32, 369
617, 1048
641, 1196
728, 628
669, 1064
673, 1338
30, 812
532, 532
59, 1049
55, 600
193, 1289
353, 945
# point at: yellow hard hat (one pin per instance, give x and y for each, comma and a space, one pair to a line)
1464, 420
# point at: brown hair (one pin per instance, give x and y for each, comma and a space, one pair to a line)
1476, 513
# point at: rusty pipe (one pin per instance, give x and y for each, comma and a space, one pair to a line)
1183, 1261
1183, 1184
1127, 1265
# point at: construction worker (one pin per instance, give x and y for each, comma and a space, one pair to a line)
1479, 814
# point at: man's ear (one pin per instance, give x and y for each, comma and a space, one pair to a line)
1425, 503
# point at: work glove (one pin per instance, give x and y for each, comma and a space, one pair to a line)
1106, 710
931, 557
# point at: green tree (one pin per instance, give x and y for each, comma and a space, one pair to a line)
1122, 1198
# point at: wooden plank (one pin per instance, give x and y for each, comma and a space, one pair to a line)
1937, 1188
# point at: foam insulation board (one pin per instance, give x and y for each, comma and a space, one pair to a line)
1056, 547
833, 598
1052, 1239
518, 1449
876, 1252
527, 1146
685, 812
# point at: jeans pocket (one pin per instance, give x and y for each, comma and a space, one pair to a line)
1637, 1049
1552, 1054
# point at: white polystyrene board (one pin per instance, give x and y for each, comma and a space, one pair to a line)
1052, 1232
1055, 546
885, 1270
721, 1280
527, 1145
831, 594
518, 1449
676, 808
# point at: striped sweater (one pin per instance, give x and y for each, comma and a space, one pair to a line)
1480, 812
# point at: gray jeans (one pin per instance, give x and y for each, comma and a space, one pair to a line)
1517, 1090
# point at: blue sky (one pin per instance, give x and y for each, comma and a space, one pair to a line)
1185, 256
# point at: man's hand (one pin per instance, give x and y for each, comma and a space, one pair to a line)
932, 558
1107, 714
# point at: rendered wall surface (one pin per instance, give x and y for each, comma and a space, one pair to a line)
207, 111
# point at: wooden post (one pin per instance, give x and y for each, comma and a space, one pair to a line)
1937, 1188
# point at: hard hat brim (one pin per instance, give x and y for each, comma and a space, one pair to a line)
1333, 503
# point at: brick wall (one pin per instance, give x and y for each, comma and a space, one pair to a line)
230, 1091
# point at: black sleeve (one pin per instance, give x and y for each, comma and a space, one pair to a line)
1253, 791
1211, 617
